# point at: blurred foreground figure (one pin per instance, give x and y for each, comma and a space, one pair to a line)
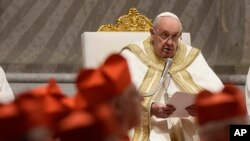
105, 108
111, 98
216, 111
31, 117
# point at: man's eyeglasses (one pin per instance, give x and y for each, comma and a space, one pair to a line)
165, 36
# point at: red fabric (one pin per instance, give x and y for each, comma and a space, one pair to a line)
11, 125
83, 125
226, 104
70, 117
109, 80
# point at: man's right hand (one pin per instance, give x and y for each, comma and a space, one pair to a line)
162, 110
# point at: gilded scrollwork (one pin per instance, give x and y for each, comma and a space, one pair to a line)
131, 22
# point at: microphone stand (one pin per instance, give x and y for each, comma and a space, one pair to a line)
167, 64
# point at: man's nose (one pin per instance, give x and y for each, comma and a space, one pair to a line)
169, 41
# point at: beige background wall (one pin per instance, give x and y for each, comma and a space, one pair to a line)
44, 35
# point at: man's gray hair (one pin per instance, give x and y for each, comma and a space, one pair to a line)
167, 14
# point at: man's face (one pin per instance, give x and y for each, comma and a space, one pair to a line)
165, 35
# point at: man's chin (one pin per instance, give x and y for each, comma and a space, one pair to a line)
168, 55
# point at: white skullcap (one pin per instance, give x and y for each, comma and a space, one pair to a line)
168, 14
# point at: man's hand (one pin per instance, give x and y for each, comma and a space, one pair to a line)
162, 110
191, 110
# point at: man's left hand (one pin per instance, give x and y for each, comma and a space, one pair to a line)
191, 110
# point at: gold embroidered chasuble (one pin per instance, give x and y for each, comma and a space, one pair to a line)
155, 64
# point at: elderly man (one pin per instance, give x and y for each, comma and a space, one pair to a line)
189, 73
6, 94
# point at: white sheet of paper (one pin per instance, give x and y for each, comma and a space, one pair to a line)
181, 100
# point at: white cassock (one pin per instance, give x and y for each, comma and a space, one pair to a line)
6, 94
189, 72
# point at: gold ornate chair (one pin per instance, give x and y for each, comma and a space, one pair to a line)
111, 38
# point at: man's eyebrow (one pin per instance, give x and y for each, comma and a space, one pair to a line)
168, 32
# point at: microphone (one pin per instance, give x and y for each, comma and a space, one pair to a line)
167, 64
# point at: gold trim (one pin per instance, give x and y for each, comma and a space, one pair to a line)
149, 48
180, 54
181, 60
178, 71
144, 57
151, 79
132, 22
185, 81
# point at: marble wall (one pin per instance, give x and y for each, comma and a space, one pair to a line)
44, 35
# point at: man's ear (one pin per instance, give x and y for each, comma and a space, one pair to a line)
180, 36
151, 31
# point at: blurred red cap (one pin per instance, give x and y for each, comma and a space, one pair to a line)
110, 79
84, 125
228, 103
